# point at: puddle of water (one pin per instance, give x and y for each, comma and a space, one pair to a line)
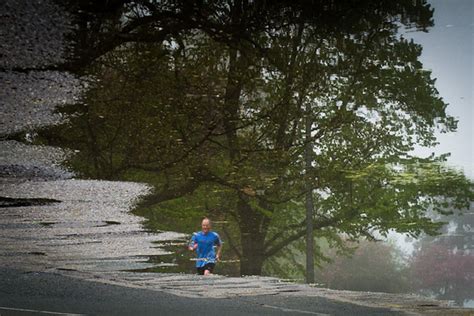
28, 100
23, 162
30, 41
181, 260
91, 228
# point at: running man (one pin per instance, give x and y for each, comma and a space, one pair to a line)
203, 243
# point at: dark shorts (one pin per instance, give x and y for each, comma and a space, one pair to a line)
208, 266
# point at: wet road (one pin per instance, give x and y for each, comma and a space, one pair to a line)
39, 291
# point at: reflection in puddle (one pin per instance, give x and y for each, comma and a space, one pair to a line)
12, 202
180, 260
112, 223
241, 93
47, 223
73, 233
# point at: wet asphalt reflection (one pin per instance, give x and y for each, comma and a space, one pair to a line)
49, 219
90, 229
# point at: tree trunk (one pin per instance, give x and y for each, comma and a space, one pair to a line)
252, 259
253, 227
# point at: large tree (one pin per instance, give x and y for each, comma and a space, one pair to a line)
210, 103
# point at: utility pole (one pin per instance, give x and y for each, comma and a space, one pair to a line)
309, 198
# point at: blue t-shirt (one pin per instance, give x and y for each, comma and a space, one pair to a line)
205, 249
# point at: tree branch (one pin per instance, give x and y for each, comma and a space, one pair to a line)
170, 194
231, 243
318, 224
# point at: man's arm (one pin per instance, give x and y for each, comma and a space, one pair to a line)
193, 244
219, 247
219, 250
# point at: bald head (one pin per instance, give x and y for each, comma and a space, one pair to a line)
206, 225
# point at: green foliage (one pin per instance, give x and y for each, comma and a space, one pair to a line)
211, 110
184, 214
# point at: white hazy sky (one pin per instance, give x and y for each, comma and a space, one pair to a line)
448, 50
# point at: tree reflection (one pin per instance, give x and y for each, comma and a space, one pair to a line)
207, 101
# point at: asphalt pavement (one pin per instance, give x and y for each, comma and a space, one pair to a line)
46, 293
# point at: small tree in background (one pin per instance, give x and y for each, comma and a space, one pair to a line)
443, 266
439, 271
360, 266
373, 266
